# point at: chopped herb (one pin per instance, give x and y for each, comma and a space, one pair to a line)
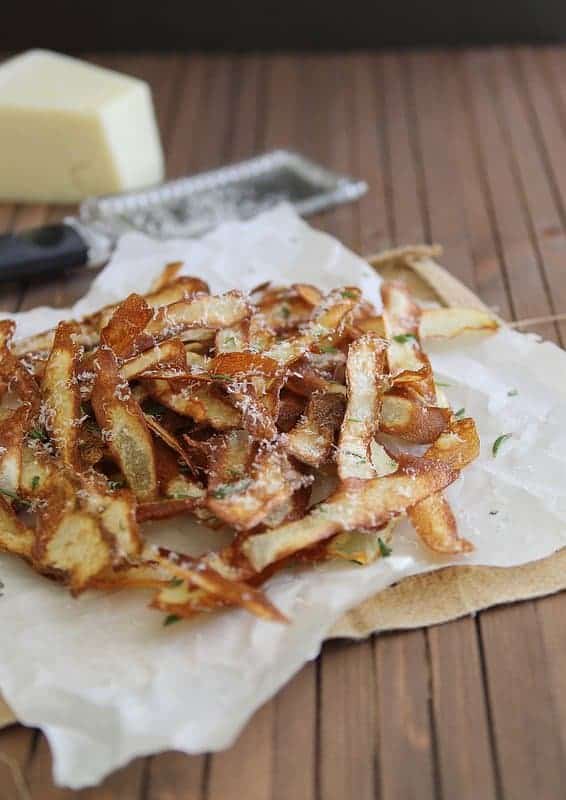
115, 485
349, 294
227, 489
11, 495
384, 549
220, 376
175, 582
180, 496
442, 384
171, 619
403, 338
460, 413
285, 312
35, 482
512, 393
499, 441
235, 473
354, 455
39, 434
493, 513
230, 340
328, 349
19, 500
354, 419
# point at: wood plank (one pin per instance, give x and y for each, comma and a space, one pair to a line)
535, 188
405, 199
543, 108
527, 288
461, 136
124, 783
371, 155
442, 181
15, 747
176, 775
405, 739
295, 737
460, 716
527, 736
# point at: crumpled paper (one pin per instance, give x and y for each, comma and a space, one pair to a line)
101, 675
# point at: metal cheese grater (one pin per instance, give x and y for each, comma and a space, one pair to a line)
188, 207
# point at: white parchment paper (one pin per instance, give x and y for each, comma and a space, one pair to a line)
102, 676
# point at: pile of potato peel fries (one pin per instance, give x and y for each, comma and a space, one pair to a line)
307, 423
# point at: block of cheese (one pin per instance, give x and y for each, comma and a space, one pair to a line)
69, 129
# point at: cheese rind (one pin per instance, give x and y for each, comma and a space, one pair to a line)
69, 130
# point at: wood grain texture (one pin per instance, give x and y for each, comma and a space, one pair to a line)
466, 148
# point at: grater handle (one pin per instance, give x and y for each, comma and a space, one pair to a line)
38, 252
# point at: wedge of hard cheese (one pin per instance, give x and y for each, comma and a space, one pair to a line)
69, 129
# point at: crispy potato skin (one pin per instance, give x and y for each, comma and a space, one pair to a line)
287, 417
121, 417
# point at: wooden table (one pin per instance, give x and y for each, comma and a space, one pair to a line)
467, 149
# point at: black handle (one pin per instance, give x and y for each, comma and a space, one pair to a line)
41, 251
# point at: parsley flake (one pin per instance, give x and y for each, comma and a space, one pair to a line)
329, 349
354, 419
285, 312
39, 434
403, 338
460, 413
171, 619
11, 495
35, 482
175, 582
115, 485
349, 294
384, 549
499, 441
512, 393
354, 455
443, 384
220, 376
227, 489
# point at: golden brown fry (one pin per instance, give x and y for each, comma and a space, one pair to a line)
436, 526
126, 325
404, 414
445, 323
326, 327
168, 275
367, 381
12, 430
123, 426
432, 518
198, 574
201, 311
355, 504
202, 403
244, 503
312, 439
15, 537
61, 396
168, 356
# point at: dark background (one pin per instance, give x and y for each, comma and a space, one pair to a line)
73, 25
